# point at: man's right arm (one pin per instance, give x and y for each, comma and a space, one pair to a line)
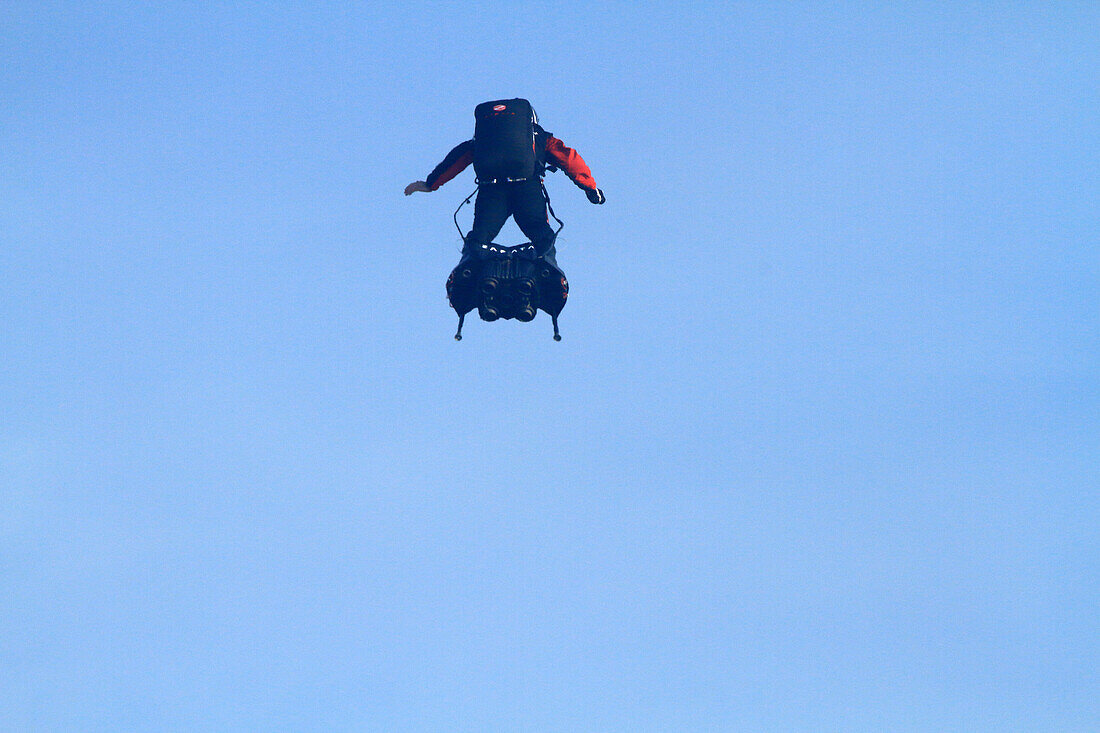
570, 161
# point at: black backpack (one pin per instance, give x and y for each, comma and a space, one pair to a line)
504, 141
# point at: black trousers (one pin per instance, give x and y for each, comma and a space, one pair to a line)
524, 202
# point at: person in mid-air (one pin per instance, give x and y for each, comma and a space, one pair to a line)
510, 153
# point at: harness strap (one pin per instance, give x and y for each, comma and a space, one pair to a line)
561, 224
545, 195
460, 234
478, 181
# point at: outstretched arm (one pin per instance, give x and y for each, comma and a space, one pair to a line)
573, 164
455, 162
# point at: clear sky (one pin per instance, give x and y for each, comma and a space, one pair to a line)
820, 449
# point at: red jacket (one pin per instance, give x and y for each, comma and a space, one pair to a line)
557, 155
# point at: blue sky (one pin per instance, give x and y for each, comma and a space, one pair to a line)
819, 449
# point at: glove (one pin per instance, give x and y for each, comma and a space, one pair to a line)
595, 195
416, 186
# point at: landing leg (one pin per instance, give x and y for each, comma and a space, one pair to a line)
458, 335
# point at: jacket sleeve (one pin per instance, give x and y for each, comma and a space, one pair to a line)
571, 162
455, 162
